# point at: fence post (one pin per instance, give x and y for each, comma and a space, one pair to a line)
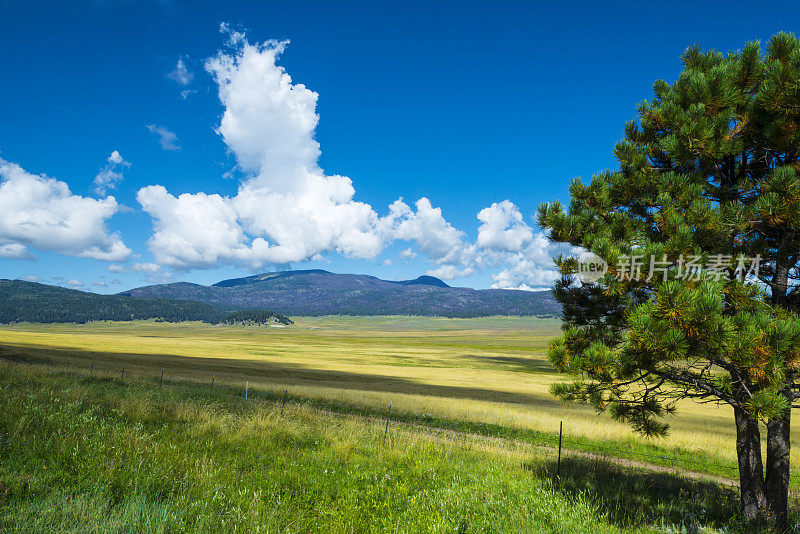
246, 389
283, 404
212, 381
161, 380
91, 370
123, 373
560, 432
388, 415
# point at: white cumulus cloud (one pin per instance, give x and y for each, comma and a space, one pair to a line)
525, 273
503, 228
16, 251
433, 234
287, 209
41, 212
192, 230
506, 242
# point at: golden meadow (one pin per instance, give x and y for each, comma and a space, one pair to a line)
485, 370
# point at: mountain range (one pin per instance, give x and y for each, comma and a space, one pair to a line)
309, 292
319, 292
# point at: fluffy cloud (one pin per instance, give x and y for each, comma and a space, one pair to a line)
287, 209
433, 234
530, 267
111, 173
503, 228
16, 251
525, 273
192, 230
450, 271
167, 139
43, 213
505, 241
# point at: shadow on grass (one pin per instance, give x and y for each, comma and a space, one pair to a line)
636, 498
255, 370
526, 364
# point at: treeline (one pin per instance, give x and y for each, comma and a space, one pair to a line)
255, 317
40, 303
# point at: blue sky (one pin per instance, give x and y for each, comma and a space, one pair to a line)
484, 108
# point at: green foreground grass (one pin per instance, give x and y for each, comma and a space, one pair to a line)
96, 455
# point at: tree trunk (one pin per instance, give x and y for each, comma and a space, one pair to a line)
751, 468
777, 478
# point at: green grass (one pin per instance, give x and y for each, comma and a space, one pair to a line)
96, 455
80, 456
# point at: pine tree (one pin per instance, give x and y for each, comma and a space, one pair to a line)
707, 193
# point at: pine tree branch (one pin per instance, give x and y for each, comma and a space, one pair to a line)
687, 379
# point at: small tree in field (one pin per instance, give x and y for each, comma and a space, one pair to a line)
700, 231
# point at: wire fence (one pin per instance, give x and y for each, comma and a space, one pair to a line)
565, 444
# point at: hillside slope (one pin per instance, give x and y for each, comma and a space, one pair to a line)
40, 303
318, 292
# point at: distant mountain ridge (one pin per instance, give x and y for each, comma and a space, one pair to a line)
232, 282
319, 292
423, 280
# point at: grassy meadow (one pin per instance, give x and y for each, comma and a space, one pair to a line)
484, 371
81, 454
486, 376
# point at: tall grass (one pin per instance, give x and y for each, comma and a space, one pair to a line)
98, 456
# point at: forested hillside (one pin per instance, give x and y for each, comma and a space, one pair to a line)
40, 303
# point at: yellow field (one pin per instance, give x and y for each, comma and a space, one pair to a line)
487, 370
